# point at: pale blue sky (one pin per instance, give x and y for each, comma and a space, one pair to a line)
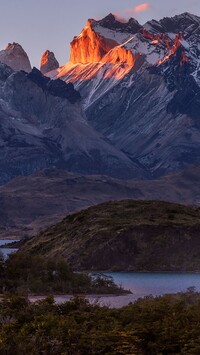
51, 24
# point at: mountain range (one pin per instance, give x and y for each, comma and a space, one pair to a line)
140, 87
42, 124
126, 106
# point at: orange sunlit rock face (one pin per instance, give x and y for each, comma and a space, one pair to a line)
119, 55
158, 38
173, 49
114, 60
44, 59
48, 62
89, 46
163, 39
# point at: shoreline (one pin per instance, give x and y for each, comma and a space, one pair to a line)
94, 296
140, 272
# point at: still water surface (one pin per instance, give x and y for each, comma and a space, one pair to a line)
144, 284
140, 284
7, 251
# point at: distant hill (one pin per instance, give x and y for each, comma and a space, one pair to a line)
127, 236
31, 204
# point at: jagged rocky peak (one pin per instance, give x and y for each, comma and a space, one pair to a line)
15, 57
186, 23
133, 25
153, 26
161, 85
108, 21
180, 22
112, 22
48, 62
98, 38
90, 46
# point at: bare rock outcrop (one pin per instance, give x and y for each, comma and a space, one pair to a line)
48, 62
15, 57
89, 46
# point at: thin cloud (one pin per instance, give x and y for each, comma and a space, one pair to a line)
120, 18
140, 8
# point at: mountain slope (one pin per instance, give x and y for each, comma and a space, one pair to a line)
125, 235
143, 94
42, 124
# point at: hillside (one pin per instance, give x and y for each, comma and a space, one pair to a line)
42, 125
31, 204
125, 235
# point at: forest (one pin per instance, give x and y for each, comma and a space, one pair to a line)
23, 274
164, 325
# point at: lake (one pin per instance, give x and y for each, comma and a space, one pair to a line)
144, 284
141, 285
7, 251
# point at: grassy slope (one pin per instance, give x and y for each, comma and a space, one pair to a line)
126, 235
31, 204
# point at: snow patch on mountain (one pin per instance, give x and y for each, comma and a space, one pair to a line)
117, 36
147, 101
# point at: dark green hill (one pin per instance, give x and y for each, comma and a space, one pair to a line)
126, 235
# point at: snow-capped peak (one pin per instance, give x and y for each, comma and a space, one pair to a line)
110, 49
113, 22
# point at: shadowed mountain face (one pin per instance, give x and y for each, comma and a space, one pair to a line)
143, 91
140, 89
42, 124
139, 86
29, 204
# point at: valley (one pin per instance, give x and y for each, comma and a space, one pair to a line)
118, 122
100, 181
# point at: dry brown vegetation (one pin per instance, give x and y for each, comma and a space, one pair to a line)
125, 235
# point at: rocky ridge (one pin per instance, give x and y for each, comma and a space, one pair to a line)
15, 57
48, 62
140, 90
144, 93
42, 124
